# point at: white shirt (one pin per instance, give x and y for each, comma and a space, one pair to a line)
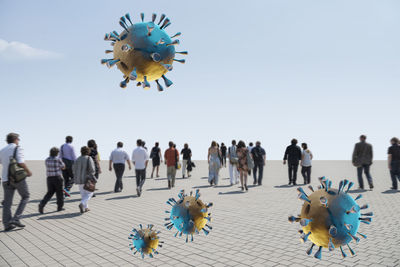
139, 158
119, 156
5, 154
306, 158
250, 148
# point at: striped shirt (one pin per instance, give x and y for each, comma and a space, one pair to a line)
54, 166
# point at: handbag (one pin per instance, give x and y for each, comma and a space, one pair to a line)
232, 160
250, 161
16, 173
90, 184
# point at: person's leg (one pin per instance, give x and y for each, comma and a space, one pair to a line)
142, 179
303, 173
231, 173
236, 173
260, 173
173, 176
7, 203
295, 168
49, 194
309, 175
255, 173
58, 188
241, 178
290, 170
360, 178
158, 168
368, 175
23, 191
393, 177
116, 170
184, 162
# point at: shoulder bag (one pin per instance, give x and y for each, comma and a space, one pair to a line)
90, 184
16, 173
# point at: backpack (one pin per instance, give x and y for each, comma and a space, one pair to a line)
257, 154
16, 173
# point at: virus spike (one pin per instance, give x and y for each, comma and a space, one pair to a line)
176, 35
311, 188
209, 227
367, 219
146, 83
358, 197
301, 231
139, 84
111, 63
159, 87
169, 23
161, 41
293, 219
349, 187
104, 61
142, 16
345, 182
301, 191
364, 206
167, 219
187, 238
167, 82
305, 222
166, 21
309, 251
124, 83
153, 17
317, 255
362, 235
106, 37
115, 35
128, 17
149, 30
176, 233
333, 231
351, 250
167, 211
206, 232
203, 210
367, 214
175, 42
331, 247
304, 237
180, 60
354, 237
304, 197
123, 26
182, 52
191, 240
161, 19
343, 253
209, 205
108, 51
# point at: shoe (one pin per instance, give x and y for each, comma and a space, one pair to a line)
255, 182
94, 195
87, 209
9, 228
231, 184
157, 175
18, 224
260, 184
60, 209
289, 183
169, 184
294, 183
138, 191
242, 188
41, 209
371, 186
183, 176
245, 186
81, 208
361, 188
151, 176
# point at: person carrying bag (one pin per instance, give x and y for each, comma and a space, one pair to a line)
16, 173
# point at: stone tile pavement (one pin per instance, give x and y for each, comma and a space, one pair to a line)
249, 229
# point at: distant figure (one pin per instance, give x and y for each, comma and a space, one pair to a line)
144, 145
140, 159
156, 158
250, 148
233, 163
362, 159
84, 169
306, 158
293, 156
259, 158
54, 167
214, 163
171, 157
13, 150
243, 154
394, 161
118, 158
94, 154
223, 154
68, 156
186, 159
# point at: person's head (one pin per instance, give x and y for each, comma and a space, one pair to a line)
251, 144
92, 144
12, 138
258, 143
139, 142
143, 143
304, 146
85, 151
394, 141
157, 144
68, 139
54, 152
241, 144
294, 141
363, 138
222, 144
213, 144
174, 145
233, 142
186, 145
120, 144
171, 144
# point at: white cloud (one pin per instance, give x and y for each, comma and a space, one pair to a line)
20, 51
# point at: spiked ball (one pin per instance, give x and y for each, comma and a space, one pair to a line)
188, 215
330, 217
145, 241
143, 51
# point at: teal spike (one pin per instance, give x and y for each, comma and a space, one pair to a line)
345, 182
209, 205
367, 214
161, 18
142, 16
354, 237
351, 250
344, 255
333, 231
159, 87
167, 211
124, 83
167, 82
349, 187
146, 83
105, 60
304, 197
153, 17
187, 238
141, 226
176, 234
311, 188
309, 251
301, 191
191, 238
364, 207
367, 219
151, 255
176, 35
166, 25
180, 60
304, 237
206, 232
129, 18
362, 235
108, 52
111, 63
330, 245
293, 219
358, 197
318, 253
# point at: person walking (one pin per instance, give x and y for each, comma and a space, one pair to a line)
13, 151
306, 158
233, 163
54, 167
214, 163
223, 154
118, 158
140, 159
394, 161
94, 154
68, 156
171, 157
362, 160
84, 169
259, 158
293, 157
186, 159
243, 157
156, 159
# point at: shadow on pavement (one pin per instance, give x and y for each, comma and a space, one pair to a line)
157, 189
13, 230
390, 191
201, 186
231, 193
160, 179
36, 214
129, 176
104, 193
122, 197
60, 216
219, 186
284, 186
357, 191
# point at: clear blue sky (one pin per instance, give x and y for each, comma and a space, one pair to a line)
321, 71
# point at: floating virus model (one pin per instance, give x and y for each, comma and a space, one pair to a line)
330, 217
145, 241
188, 215
143, 51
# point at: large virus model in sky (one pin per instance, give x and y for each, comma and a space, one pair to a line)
143, 51
330, 218
145, 241
188, 215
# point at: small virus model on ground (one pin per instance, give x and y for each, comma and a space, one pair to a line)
330, 217
188, 215
143, 51
145, 241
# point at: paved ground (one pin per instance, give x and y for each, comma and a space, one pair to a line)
249, 229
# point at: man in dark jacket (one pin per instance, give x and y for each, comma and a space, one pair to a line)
293, 156
362, 159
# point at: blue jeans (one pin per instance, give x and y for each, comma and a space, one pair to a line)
260, 167
360, 169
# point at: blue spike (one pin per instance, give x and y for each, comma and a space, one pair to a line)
364, 236
318, 253
206, 232
166, 21
115, 35
167, 82
124, 83
105, 60
351, 251
191, 239
176, 233
366, 219
203, 210
151, 255
330, 245
343, 253
146, 83
345, 182
187, 238
175, 42
168, 67
309, 251
161, 18
358, 197
311, 188
111, 63
305, 222
364, 206
350, 186
340, 186
142, 16
304, 197
176, 35
153, 17
367, 214
301, 191
330, 184
209, 205
304, 237
123, 26
354, 237
159, 87
129, 18
167, 211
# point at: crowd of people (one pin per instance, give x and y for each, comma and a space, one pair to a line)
65, 169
